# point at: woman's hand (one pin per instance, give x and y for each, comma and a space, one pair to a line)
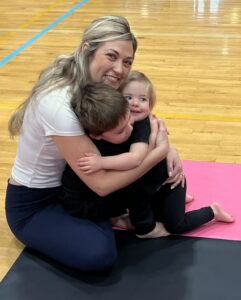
174, 168
175, 171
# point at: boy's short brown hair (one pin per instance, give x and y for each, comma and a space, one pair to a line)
99, 107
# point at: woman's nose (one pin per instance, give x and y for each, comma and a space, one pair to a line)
118, 67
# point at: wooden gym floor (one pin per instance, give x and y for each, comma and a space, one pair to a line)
191, 49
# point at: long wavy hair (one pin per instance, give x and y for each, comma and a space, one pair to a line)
73, 70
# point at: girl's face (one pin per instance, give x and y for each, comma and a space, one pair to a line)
137, 94
111, 62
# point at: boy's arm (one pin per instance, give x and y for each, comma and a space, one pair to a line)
91, 163
125, 161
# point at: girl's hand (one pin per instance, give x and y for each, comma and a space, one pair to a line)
89, 163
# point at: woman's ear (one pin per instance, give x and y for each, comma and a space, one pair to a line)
85, 46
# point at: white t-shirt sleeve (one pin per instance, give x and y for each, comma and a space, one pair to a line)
56, 115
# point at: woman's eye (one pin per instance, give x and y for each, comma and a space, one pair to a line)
111, 56
128, 63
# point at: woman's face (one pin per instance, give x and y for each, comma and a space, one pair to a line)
111, 62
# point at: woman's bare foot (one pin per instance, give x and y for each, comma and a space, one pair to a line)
189, 198
122, 222
158, 231
220, 214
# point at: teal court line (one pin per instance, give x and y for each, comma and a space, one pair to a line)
40, 34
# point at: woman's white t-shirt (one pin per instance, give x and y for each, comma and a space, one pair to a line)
39, 163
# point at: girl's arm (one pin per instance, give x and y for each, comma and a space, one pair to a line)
91, 163
105, 182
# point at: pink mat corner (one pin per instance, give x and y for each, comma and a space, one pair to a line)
220, 182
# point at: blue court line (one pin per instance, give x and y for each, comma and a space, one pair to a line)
41, 33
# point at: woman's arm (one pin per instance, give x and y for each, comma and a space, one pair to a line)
104, 182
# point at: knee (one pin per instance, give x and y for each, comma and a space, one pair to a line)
103, 258
99, 257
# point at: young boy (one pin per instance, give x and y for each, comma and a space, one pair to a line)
147, 200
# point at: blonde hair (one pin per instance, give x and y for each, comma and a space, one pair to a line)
73, 70
141, 77
101, 107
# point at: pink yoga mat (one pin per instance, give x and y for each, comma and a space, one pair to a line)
219, 182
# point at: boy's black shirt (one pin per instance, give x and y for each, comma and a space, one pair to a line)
140, 134
81, 201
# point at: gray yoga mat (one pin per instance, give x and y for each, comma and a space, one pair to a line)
175, 267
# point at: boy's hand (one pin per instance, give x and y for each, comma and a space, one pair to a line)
154, 131
90, 163
159, 132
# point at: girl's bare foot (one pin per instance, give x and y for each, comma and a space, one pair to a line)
220, 214
122, 222
189, 198
158, 231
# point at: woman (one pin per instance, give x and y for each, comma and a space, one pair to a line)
50, 135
